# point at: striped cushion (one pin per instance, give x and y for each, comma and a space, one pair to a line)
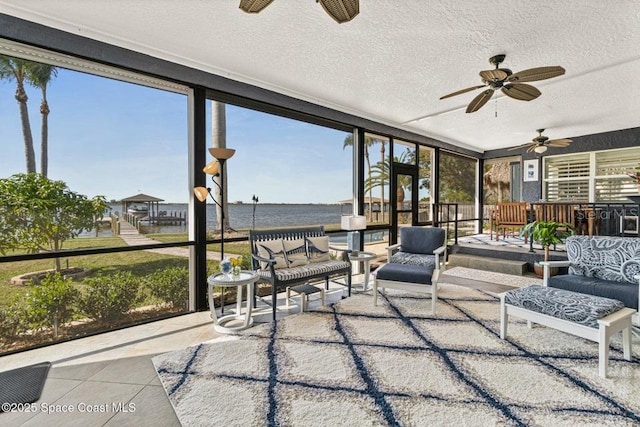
316, 269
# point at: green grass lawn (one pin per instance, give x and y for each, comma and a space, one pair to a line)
139, 263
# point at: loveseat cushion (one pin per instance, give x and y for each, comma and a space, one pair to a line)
318, 249
604, 257
303, 272
570, 306
625, 292
421, 240
405, 273
402, 257
272, 249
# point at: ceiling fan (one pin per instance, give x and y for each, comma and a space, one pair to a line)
340, 10
511, 83
540, 143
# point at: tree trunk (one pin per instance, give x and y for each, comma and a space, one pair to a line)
382, 183
44, 135
219, 139
29, 154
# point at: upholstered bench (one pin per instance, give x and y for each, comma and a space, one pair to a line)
587, 316
406, 277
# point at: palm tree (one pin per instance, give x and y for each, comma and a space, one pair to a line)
40, 75
17, 69
368, 142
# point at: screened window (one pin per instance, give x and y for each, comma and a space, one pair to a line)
598, 176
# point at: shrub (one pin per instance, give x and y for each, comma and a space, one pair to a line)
13, 320
109, 297
52, 302
170, 285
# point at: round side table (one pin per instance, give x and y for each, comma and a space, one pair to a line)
245, 278
365, 258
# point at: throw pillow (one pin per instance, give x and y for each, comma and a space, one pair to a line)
318, 249
295, 252
272, 249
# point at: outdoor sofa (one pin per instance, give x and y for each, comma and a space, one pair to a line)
288, 257
605, 266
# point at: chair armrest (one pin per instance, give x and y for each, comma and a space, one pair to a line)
345, 252
442, 250
269, 261
547, 265
391, 249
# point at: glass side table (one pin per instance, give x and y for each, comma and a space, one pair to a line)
365, 258
245, 278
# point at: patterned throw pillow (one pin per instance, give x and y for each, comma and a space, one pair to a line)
272, 249
318, 249
295, 252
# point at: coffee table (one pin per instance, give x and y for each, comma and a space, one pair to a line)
245, 278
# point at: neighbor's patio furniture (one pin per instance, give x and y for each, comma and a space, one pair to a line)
288, 257
587, 316
245, 278
605, 266
511, 216
415, 263
365, 258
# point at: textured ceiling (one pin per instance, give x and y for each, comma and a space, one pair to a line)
396, 58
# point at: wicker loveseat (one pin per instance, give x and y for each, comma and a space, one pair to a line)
293, 256
605, 266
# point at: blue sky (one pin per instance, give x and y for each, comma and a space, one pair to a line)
118, 139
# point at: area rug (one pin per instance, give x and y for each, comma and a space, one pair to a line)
396, 364
22, 385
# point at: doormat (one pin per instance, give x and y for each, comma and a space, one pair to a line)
22, 385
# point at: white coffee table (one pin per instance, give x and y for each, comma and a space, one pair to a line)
365, 258
245, 278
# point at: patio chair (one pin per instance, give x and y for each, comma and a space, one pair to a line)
415, 263
511, 216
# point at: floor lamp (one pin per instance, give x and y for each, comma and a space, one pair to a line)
216, 168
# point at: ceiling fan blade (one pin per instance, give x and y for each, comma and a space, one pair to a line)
469, 89
254, 6
493, 75
341, 10
479, 101
559, 142
521, 91
533, 74
518, 147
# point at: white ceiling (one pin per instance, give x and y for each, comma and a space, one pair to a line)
396, 58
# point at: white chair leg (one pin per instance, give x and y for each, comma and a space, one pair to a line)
375, 291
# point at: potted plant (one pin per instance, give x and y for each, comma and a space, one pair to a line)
546, 233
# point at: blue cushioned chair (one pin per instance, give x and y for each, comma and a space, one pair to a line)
415, 263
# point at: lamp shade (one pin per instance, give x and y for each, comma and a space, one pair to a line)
212, 168
222, 153
201, 193
355, 222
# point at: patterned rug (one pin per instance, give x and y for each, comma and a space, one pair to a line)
396, 364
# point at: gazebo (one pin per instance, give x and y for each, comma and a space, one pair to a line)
136, 205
